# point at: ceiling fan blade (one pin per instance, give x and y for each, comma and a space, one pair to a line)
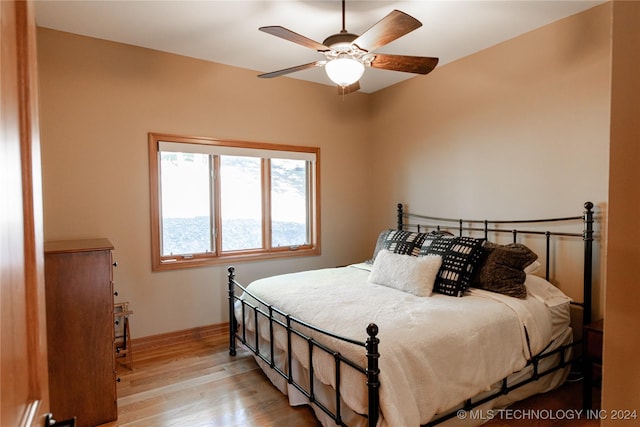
393, 26
286, 34
345, 90
292, 69
408, 64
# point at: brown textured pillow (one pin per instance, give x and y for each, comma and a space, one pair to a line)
501, 269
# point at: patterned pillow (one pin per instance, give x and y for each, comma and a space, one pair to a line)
379, 245
399, 242
460, 255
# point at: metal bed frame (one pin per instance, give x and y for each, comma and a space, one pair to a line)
421, 223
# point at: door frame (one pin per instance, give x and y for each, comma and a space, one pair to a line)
24, 391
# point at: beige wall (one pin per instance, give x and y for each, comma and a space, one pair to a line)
621, 384
520, 130
98, 102
525, 121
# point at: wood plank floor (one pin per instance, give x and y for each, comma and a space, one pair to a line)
199, 384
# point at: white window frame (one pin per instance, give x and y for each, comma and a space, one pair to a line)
164, 142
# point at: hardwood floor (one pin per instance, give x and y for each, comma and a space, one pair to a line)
199, 384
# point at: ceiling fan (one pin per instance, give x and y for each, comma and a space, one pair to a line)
347, 54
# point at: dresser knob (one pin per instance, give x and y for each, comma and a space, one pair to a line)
115, 263
115, 293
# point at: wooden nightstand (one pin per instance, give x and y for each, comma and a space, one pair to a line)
592, 361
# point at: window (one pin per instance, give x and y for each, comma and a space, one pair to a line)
215, 201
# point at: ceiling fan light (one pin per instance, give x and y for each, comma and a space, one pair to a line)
344, 71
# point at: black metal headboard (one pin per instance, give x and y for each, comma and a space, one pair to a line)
488, 228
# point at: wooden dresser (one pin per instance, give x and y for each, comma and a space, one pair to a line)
80, 332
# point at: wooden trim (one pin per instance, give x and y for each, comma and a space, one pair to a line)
32, 203
23, 342
217, 257
215, 211
220, 330
203, 140
154, 199
265, 176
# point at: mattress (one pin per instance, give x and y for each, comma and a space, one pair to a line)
428, 359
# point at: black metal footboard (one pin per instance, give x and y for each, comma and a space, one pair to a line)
292, 326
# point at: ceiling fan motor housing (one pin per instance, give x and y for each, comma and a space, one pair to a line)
341, 41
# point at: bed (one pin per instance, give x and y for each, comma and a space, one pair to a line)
449, 319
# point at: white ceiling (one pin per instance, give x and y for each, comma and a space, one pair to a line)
227, 31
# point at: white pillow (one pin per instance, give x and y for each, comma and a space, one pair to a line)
533, 267
407, 273
544, 291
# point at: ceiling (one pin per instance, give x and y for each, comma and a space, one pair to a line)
227, 31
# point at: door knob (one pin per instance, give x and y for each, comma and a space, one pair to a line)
49, 421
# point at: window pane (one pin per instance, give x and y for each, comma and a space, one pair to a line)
289, 203
186, 205
241, 202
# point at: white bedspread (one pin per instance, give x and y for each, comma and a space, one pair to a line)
435, 351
